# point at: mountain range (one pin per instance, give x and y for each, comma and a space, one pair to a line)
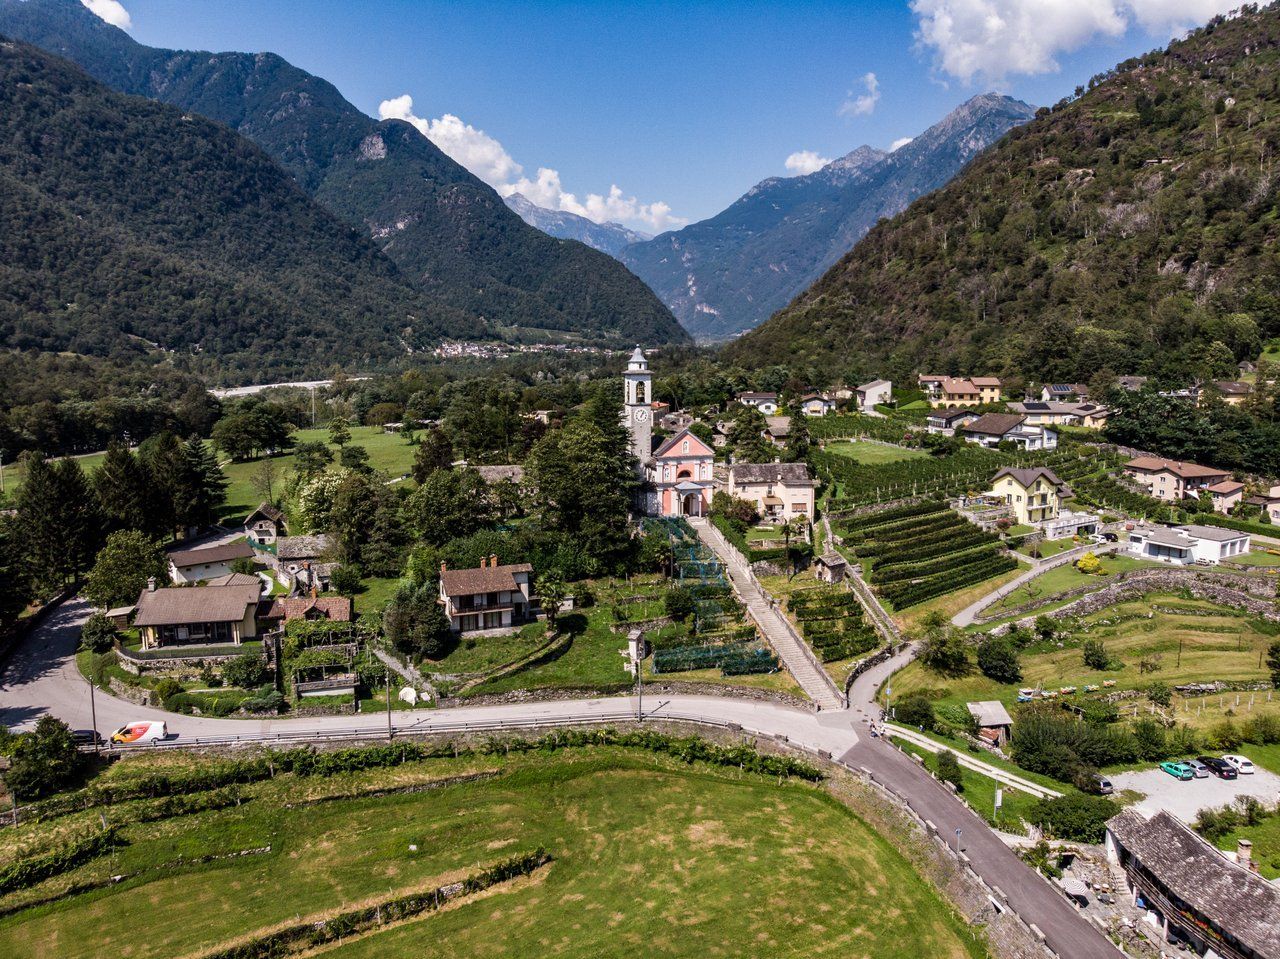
449, 233
1132, 229
131, 228
724, 275
608, 237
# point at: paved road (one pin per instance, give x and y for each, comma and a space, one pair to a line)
42, 678
790, 649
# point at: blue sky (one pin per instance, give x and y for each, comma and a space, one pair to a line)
680, 106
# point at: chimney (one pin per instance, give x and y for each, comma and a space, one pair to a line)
493, 560
1244, 853
151, 584
443, 566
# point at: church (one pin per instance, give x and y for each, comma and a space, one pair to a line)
677, 474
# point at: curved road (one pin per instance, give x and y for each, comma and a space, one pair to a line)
41, 678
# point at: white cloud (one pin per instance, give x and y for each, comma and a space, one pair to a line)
899, 143
806, 161
863, 103
992, 39
112, 11
488, 159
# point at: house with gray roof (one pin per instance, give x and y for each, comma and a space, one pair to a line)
1193, 892
1187, 545
488, 598
779, 491
188, 566
197, 615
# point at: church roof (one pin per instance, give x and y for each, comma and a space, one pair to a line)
701, 450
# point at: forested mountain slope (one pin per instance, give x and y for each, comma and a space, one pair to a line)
1129, 229
129, 227
727, 274
449, 232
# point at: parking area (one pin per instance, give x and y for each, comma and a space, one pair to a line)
1185, 799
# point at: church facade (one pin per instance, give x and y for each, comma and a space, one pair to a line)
677, 477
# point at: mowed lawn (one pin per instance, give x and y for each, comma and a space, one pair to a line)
874, 453
1197, 642
651, 857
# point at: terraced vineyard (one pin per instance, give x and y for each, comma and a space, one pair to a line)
833, 623
915, 553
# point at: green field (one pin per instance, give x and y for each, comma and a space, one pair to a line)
1196, 642
388, 452
875, 453
650, 856
1059, 580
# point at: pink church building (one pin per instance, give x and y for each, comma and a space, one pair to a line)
680, 476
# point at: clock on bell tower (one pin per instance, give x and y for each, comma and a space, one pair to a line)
637, 389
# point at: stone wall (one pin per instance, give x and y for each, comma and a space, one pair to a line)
134, 694
1209, 587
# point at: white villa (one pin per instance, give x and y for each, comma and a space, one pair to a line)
1187, 545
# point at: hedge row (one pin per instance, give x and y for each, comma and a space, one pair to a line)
913, 524
306, 761
903, 548
895, 572
34, 869
909, 593
868, 520
305, 936
1239, 525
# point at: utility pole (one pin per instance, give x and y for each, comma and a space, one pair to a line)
1, 471
93, 712
388, 672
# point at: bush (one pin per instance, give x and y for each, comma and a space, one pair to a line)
1263, 730
1090, 565
266, 700
949, 771
1160, 694
346, 579
1074, 818
167, 688
42, 761
1224, 735
915, 710
98, 634
998, 660
947, 653
1095, 654
247, 671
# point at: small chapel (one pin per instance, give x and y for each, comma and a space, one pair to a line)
677, 474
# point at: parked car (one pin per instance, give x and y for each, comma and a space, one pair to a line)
1178, 770
1104, 785
142, 731
86, 737
1198, 768
1219, 767
1111, 537
1242, 765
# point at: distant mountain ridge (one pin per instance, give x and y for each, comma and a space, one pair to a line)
729, 273
132, 229
608, 237
1131, 229
449, 232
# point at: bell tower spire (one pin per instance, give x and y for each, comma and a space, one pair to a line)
637, 393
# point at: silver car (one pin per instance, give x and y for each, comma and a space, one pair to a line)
1200, 769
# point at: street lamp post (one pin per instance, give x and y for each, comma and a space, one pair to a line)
93, 714
388, 673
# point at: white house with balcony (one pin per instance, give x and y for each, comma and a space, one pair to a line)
488, 598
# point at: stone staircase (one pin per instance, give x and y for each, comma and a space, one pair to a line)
791, 649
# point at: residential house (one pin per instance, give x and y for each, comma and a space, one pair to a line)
264, 526
1191, 892
1034, 494
1171, 480
502, 473
1245, 367
1231, 392
301, 562
990, 388
491, 597
948, 391
993, 721
660, 409
680, 477
947, 420
766, 403
777, 430
1268, 503
1133, 384
842, 393
188, 566
1068, 392
780, 491
194, 615
675, 422
720, 434
873, 394
285, 609
1054, 413
991, 429
1226, 495
830, 567
1185, 545
816, 404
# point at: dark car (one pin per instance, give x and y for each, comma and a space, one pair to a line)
86, 737
1110, 537
1219, 767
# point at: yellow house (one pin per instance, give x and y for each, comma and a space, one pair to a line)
1034, 494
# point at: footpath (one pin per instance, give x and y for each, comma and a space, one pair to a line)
791, 649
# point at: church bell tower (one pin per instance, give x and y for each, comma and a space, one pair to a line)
637, 391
